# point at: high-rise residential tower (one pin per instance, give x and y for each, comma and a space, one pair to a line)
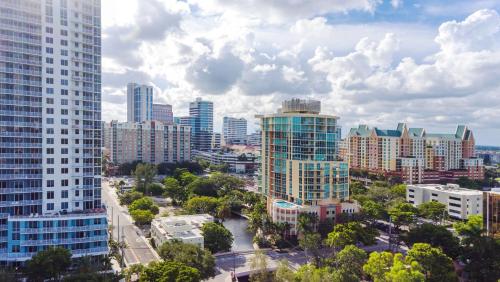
234, 130
300, 166
50, 128
163, 113
139, 102
201, 115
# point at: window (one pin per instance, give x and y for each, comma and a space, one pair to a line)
49, 60
50, 183
50, 151
49, 80
50, 101
50, 206
50, 141
49, 50
64, 194
64, 182
64, 42
64, 205
49, 40
64, 72
64, 151
50, 195
49, 111
49, 30
50, 160
64, 170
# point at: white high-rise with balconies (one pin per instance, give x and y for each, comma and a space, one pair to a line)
50, 127
234, 130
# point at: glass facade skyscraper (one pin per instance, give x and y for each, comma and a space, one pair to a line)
50, 128
201, 118
139, 102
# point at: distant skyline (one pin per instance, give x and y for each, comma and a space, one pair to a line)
432, 64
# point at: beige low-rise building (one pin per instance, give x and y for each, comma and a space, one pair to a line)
186, 228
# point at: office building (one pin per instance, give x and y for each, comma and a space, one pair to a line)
216, 141
186, 228
236, 162
414, 155
163, 113
150, 141
201, 119
254, 139
300, 162
50, 123
139, 102
491, 212
234, 131
460, 202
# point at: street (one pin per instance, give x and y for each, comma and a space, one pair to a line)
138, 250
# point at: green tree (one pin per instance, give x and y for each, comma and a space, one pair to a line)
436, 236
404, 272
174, 190
142, 217
169, 271
398, 191
216, 237
311, 273
155, 189
48, 264
436, 266
372, 210
473, 227
258, 265
283, 272
184, 177
403, 214
190, 255
351, 260
226, 183
306, 222
482, 257
128, 197
311, 243
435, 211
144, 175
202, 186
357, 188
202, 204
378, 265
144, 203
386, 267
349, 234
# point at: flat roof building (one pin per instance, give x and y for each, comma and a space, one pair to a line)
460, 202
186, 228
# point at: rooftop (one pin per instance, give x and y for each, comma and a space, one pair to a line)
285, 204
452, 188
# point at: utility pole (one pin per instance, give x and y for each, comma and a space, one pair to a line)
118, 229
390, 233
122, 245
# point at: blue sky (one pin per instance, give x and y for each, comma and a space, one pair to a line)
432, 64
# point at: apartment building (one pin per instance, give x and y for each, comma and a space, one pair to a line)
163, 113
50, 124
150, 141
201, 120
413, 154
460, 202
139, 102
234, 131
300, 163
237, 162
